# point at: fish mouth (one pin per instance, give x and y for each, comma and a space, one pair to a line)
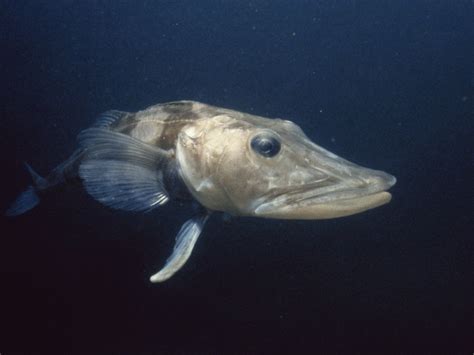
329, 197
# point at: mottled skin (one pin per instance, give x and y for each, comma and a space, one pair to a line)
158, 125
223, 174
226, 160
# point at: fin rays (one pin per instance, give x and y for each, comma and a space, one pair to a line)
108, 118
104, 144
123, 172
185, 241
29, 198
123, 186
26, 201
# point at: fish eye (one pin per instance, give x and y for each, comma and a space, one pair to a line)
266, 145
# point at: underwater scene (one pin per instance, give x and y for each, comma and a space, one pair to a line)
243, 177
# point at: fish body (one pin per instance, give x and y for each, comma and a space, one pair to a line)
223, 160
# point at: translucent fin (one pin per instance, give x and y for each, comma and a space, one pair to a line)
103, 144
185, 241
108, 118
122, 172
38, 181
27, 200
123, 185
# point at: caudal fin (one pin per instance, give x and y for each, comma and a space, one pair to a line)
29, 198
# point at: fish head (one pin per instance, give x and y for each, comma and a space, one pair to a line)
255, 166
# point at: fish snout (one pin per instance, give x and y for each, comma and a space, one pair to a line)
375, 180
346, 181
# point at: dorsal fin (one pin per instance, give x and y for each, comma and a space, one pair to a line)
108, 118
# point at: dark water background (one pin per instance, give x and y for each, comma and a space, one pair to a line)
387, 84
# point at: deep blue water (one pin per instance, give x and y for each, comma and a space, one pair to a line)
387, 84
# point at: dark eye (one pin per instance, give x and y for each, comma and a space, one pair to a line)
265, 145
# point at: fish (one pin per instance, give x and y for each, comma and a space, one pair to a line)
219, 160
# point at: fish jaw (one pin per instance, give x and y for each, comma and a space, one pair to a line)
327, 210
346, 198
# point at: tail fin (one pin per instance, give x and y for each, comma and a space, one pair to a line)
29, 198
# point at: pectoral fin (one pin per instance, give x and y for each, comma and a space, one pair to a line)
123, 172
122, 185
100, 143
185, 241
